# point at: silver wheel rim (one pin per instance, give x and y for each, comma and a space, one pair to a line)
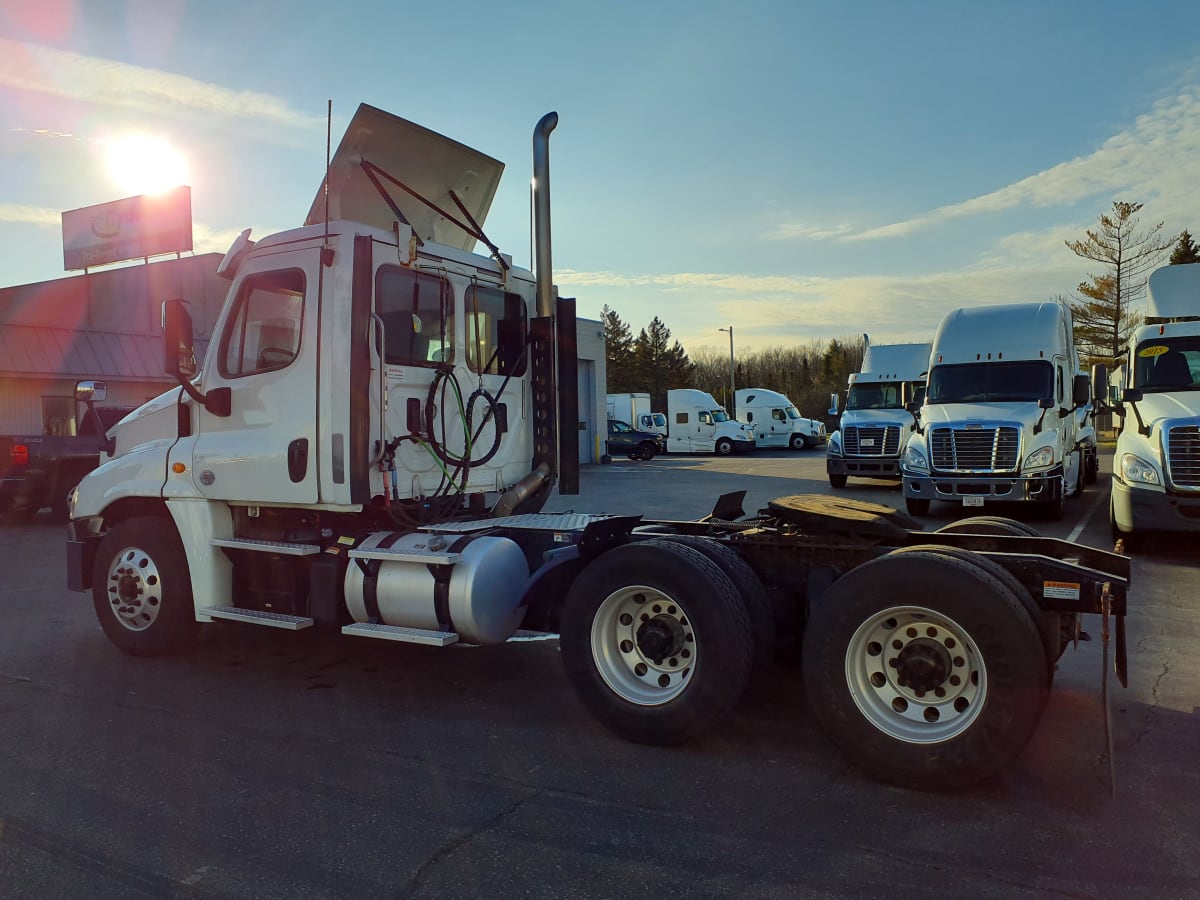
916, 675
644, 645
134, 589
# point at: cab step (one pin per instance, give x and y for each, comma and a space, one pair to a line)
258, 617
284, 548
410, 555
400, 633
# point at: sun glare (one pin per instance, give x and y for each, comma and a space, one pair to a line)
145, 164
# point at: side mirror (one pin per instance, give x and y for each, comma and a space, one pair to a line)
1131, 395
833, 405
91, 391
179, 352
1046, 403
913, 406
1081, 390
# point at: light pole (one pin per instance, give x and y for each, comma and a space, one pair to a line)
732, 389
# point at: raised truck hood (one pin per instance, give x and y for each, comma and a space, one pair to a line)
431, 164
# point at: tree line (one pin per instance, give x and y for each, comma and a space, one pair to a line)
1106, 309
654, 363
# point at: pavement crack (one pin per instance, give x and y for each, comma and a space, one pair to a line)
454, 844
1151, 714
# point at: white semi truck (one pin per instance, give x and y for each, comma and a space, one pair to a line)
1156, 469
696, 423
876, 423
999, 422
366, 447
775, 421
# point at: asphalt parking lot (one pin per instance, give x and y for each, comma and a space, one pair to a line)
266, 764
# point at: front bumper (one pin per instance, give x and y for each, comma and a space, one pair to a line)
81, 555
1039, 487
1138, 509
863, 466
744, 446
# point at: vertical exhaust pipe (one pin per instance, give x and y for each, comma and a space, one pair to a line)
541, 213
530, 493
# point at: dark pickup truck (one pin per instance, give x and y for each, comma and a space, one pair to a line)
37, 471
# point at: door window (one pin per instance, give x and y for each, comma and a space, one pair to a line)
495, 332
778, 415
264, 332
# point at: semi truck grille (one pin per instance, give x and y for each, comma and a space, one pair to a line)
1183, 455
974, 449
871, 440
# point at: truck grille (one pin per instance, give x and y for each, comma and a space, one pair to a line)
871, 440
1183, 455
974, 449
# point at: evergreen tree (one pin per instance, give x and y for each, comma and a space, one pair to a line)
1106, 315
1185, 250
659, 364
618, 353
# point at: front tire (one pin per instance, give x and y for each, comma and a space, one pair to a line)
838, 481
935, 692
141, 588
724, 447
656, 641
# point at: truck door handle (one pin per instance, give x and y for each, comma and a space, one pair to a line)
297, 459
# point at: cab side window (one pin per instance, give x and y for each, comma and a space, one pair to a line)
778, 415
681, 418
495, 331
264, 332
416, 311
705, 418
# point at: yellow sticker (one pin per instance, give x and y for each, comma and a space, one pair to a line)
1155, 350
1061, 590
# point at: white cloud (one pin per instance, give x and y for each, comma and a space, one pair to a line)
20, 214
61, 73
1158, 156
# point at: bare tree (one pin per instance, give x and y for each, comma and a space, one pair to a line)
1106, 313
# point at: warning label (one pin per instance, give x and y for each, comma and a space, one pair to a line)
1060, 590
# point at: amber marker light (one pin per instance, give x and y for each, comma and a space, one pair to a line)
178, 468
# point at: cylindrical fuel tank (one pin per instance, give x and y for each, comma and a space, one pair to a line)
477, 596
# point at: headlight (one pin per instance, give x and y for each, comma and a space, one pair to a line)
834, 447
1136, 469
914, 459
1040, 458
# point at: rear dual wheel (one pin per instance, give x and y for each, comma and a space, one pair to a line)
934, 691
657, 641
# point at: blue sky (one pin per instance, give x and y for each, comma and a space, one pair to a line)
800, 170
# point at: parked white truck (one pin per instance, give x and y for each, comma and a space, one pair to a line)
998, 424
634, 409
696, 423
876, 424
1156, 469
775, 421
367, 445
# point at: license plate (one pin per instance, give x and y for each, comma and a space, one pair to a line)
972, 501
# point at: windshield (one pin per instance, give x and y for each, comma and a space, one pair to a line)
874, 395
992, 382
793, 413
1167, 364
719, 415
659, 419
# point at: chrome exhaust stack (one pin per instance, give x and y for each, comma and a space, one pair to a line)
541, 213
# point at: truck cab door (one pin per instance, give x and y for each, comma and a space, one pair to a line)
702, 437
264, 352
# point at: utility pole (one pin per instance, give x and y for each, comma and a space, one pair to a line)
732, 388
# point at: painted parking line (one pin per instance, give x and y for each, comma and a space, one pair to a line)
1087, 517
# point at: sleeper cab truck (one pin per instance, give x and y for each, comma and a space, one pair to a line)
1156, 469
775, 421
696, 423
998, 424
876, 423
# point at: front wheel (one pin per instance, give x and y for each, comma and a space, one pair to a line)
838, 481
798, 442
925, 670
141, 588
646, 451
724, 447
656, 641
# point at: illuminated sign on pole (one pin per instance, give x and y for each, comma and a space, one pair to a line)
133, 228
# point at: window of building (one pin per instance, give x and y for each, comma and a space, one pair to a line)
264, 333
417, 312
